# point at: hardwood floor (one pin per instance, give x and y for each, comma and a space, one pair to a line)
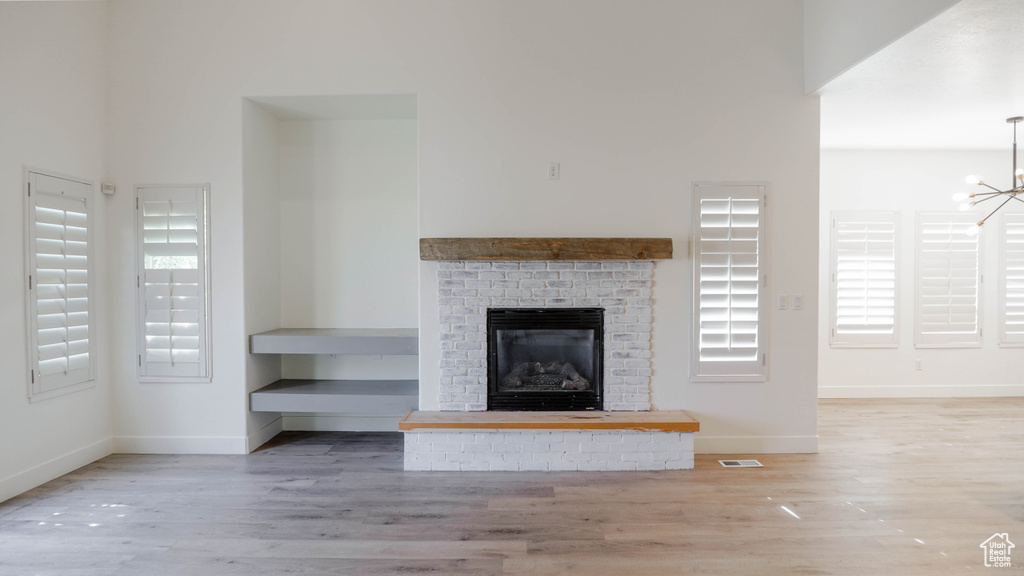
899, 487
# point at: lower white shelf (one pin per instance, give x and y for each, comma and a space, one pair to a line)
340, 396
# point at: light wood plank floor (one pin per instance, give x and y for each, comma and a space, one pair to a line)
900, 487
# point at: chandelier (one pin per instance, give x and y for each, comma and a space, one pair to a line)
1014, 193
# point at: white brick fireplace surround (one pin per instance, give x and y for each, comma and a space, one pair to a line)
621, 284
466, 289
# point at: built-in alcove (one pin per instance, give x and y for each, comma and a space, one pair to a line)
330, 226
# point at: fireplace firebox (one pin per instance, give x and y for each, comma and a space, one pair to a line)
545, 358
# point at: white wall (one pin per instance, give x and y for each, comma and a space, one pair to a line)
635, 100
839, 34
262, 237
52, 90
912, 181
348, 224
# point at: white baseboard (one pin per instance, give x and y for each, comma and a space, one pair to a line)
981, 391
755, 444
336, 423
55, 468
263, 435
180, 445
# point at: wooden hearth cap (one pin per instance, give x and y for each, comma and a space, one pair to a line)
545, 248
654, 420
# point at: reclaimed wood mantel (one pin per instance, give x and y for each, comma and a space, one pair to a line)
545, 248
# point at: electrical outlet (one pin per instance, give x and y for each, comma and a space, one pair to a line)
781, 303
553, 170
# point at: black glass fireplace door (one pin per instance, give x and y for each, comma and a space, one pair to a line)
544, 358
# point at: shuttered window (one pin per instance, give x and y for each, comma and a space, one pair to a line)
60, 306
173, 283
864, 279
730, 302
948, 281
1011, 281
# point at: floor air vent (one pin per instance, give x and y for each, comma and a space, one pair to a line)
741, 464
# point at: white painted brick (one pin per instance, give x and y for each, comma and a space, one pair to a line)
652, 465
476, 448
592, 466
622, 466
546, 457
461, 457
563, 466
451, 265
540, 446
444, 466
501, 465
506, 447
475, 466
506, 266
637, 456
529, 466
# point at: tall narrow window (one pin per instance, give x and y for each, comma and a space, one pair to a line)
1011, 281
863, 280
730, 275
173, 283
948, 281
60, 306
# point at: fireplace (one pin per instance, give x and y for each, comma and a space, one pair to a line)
545, 358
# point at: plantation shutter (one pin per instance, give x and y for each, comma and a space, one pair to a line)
729, 277
948, 281
61, 344
1011, 282
172, 283
864, 279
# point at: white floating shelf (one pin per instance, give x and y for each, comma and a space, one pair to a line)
354, 341
347, 396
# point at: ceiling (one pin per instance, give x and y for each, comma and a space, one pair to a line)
950, 84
